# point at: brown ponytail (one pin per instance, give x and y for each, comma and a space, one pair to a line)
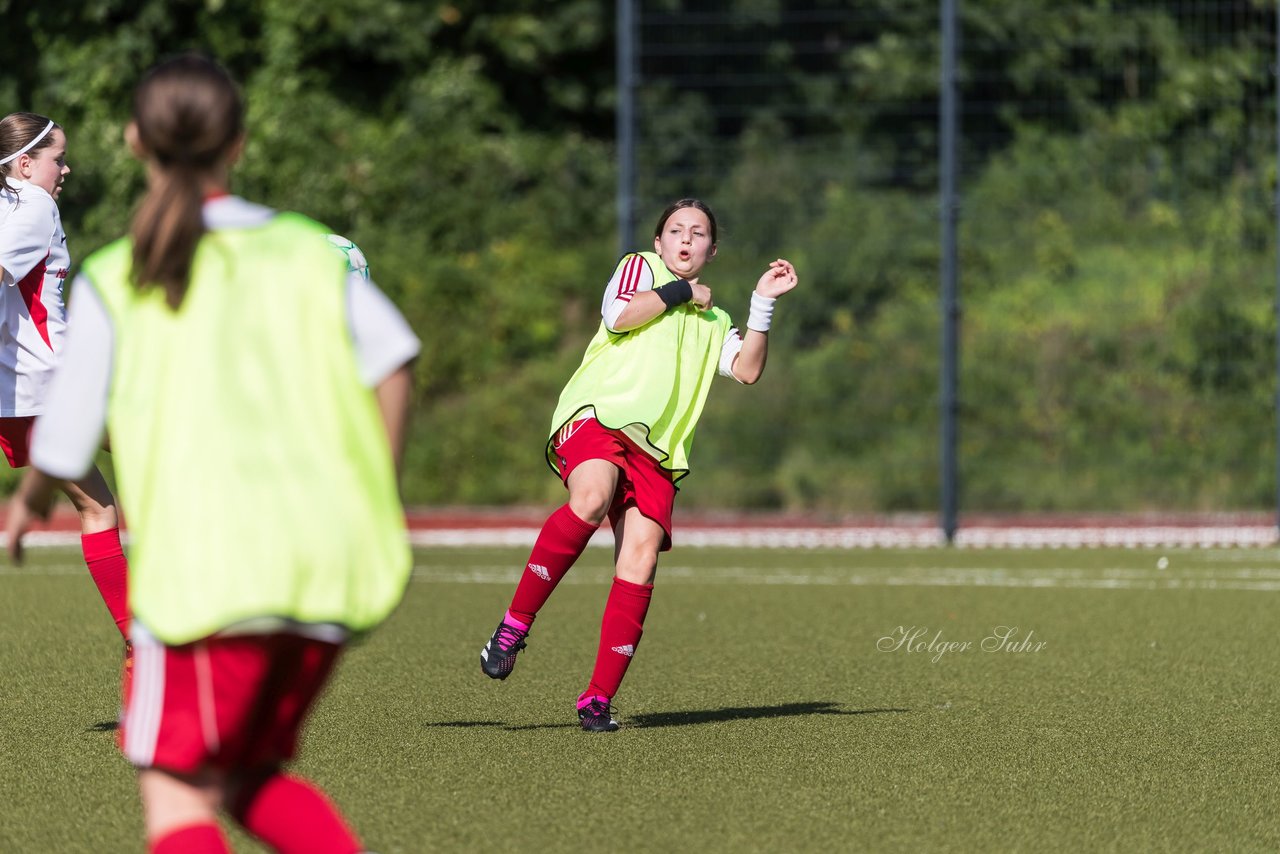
188, 115
166, 228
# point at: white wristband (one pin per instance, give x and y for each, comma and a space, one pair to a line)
761, 315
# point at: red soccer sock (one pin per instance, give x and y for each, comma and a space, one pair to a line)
559, 544
105, 559
294, 817
192, 839
620, 632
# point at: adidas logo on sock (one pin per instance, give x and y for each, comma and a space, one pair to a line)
540, 571
628, 650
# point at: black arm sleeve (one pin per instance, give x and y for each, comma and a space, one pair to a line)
675, 293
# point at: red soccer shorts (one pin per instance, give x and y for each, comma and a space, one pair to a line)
15, 439
642, 483
235, 702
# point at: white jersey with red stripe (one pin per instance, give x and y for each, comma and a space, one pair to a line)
33, 253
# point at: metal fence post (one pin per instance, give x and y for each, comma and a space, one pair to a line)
948, 121
626, 130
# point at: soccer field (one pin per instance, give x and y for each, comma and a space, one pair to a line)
782, 700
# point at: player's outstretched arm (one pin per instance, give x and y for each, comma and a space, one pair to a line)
776, 281
32, 501
394, 394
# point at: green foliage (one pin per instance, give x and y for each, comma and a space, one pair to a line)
1116, 258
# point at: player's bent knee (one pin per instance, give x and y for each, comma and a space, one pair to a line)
636, 573
590, 500
591, 488
638, 564
590, 506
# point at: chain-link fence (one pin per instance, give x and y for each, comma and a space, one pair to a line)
1116, 237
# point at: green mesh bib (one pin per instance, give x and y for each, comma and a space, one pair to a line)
252, 463
650, 382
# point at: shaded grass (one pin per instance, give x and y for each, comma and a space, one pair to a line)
760, 714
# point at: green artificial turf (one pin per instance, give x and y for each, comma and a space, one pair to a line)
764, 710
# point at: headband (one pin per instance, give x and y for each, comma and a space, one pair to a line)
29, 145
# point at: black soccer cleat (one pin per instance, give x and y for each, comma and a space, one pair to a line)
498, 658
597, 716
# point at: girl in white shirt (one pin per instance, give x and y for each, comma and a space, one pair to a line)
33, 269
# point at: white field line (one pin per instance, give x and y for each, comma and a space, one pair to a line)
1261, 579
1219, 537
887, 537
39, 539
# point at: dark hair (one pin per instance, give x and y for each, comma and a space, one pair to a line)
16, 130
188, 115
686, 203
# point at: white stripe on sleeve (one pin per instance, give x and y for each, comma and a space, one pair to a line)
631, 277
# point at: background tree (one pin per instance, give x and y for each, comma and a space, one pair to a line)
1117, 234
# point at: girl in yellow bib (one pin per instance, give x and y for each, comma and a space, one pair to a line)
622, 431
255, 392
